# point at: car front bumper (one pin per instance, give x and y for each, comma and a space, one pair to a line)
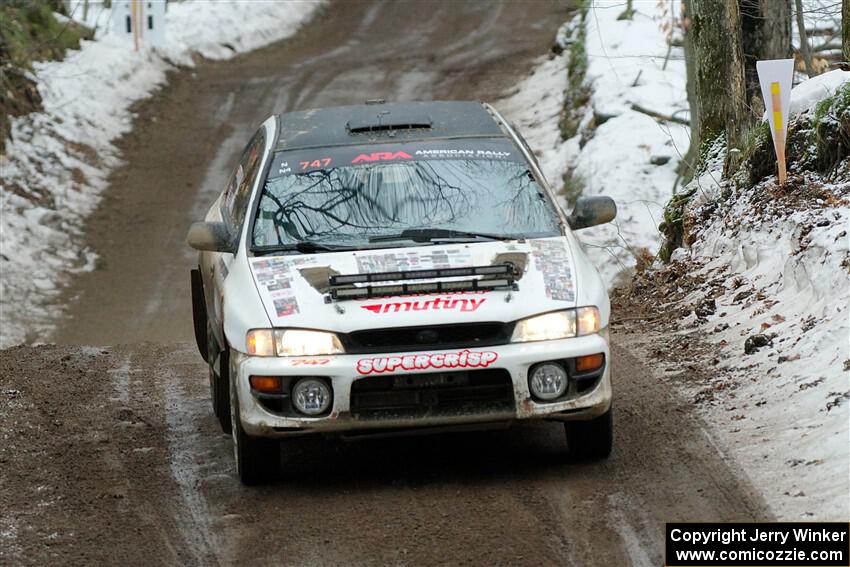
342, 371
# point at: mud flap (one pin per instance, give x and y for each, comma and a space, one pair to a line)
199, 313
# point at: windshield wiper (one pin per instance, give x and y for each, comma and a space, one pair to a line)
431, 234
303, 247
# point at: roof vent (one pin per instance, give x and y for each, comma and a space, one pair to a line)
385, 121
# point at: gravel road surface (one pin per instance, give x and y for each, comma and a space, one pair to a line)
111, 454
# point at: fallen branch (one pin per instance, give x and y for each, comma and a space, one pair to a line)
659, 116
827, 47
616, 320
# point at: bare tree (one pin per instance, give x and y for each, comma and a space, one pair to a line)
766, 34
845, 29
805, 51
716, 80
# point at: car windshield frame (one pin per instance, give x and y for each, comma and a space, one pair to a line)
502, 147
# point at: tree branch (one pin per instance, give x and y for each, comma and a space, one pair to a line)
659, 116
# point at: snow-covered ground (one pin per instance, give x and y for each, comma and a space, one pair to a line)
614, 151
58, 161
534, 106
779, 265
776, 262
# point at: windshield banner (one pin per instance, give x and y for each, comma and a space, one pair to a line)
303, 161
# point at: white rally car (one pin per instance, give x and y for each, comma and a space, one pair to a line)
388, 267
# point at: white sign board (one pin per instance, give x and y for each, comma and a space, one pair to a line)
142, 21
775, 78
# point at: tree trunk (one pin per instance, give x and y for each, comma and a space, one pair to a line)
689, 163
845, 29
716, 61
739, 117
765, 34
805, 51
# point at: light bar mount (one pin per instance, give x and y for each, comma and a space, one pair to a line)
479, 278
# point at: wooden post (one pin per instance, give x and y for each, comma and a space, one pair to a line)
776, 78
134, 22
778, 134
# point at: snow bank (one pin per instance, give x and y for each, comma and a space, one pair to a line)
631, 64
535, 107
808, 93
58, 161
776, 262
619, 152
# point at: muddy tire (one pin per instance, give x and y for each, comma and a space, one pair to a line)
219, 382
257, 458
592, 439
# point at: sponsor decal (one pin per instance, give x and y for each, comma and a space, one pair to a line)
552, 259
380, 156
285, 306
294, 162
463, 304
310, 361
459, 359
274, 276
413, 260
456, 153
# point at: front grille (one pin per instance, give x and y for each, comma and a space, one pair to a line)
432, 394
400, 339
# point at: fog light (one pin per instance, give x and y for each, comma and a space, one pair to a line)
311, 396
548, 381
590, 362
266, 384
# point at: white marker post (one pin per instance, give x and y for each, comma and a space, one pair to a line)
135, 8
775, 77
143, 21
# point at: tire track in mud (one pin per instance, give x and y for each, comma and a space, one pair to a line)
184, 439
75, 458
152, 479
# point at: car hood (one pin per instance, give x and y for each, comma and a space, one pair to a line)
294, 288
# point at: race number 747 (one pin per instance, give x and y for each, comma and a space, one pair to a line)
324, 162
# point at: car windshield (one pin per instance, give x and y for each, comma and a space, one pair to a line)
400, 197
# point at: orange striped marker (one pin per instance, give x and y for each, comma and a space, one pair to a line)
776, 77
778, 132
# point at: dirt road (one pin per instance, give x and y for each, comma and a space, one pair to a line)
112, 454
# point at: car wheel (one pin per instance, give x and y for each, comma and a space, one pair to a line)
591, 439
257, 458
219, 388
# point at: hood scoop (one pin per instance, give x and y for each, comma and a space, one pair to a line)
380, 284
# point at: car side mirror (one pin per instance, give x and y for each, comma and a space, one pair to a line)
591, 211
210, 237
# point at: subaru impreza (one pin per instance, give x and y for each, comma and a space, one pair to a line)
389, 268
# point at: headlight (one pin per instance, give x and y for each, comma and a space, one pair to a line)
296, 342
557, 325
260, 342
292, 342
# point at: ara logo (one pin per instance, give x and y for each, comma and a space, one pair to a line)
381, 156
